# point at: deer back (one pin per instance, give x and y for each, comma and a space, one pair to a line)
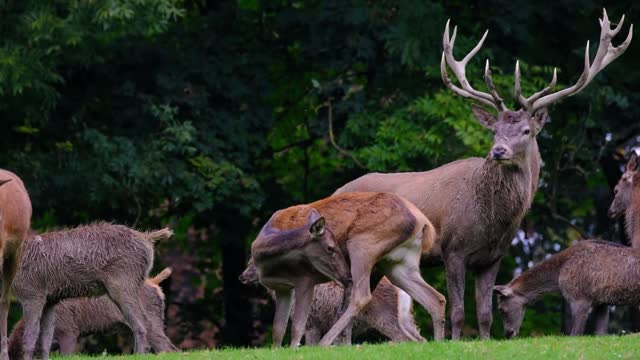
15, 209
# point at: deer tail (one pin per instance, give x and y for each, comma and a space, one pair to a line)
162, 276
162, 234
428, 236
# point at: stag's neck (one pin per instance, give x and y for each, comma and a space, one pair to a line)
540, 279
505, 191
632, 218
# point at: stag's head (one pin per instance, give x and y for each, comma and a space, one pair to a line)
630, 179
512, 307
515, 131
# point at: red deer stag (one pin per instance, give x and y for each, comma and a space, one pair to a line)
15, 223
369, 229
589, 275
627, 200
477, 204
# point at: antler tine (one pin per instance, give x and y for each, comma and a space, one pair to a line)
604, 56
492, 88
527, 102
458, 69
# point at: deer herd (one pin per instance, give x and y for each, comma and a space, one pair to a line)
349, 262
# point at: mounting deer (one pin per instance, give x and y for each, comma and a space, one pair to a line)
389, 312
477, 204
627, 200
588, 274
15, 223
369, 229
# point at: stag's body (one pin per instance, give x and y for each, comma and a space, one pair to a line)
370, 229
477, 204
15, 223
589, 274
86, 261
81, 316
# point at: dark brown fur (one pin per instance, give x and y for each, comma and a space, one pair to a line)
589, 274
76, 317
627, 200
86, 261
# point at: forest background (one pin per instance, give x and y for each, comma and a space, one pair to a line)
209, 115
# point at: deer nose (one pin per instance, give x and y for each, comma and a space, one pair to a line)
498, 152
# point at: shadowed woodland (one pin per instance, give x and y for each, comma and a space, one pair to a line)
208, 116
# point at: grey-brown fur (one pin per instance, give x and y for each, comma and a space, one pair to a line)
87, 261
589, 274
386, 312
627, 200
82, 316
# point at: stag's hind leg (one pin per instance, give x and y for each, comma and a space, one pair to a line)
601, 319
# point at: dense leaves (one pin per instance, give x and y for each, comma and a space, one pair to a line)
210, 115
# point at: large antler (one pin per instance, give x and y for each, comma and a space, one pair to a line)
605, 55
458, 69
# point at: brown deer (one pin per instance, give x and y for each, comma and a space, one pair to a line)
476, 204
369, 229
590, 274
627, 200
15, 223
81, 316
87, 261
389, 312
297, 259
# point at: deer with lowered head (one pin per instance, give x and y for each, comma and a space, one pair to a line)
389, 312
626, 200
88, 261
591, 274
82, 316
477, 204
371, 230
15, 223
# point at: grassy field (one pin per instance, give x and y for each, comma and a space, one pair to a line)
605, 347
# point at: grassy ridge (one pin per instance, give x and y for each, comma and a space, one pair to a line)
604, 347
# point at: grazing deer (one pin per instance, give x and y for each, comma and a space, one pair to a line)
87, 261
15, 223
81, 316
296, 259
369, 229
389, 312
590, 274
476, 204
627, 200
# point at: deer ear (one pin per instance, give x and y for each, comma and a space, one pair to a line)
317, 223
503, 290
540, 118
2, 182
484, 117
317, 228
632, 164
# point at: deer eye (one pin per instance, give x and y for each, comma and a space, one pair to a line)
526, 132
331, 249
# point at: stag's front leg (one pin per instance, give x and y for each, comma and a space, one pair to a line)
485, 281
304, 297
455, 269
281, 318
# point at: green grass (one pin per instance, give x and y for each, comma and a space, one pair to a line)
604, 347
